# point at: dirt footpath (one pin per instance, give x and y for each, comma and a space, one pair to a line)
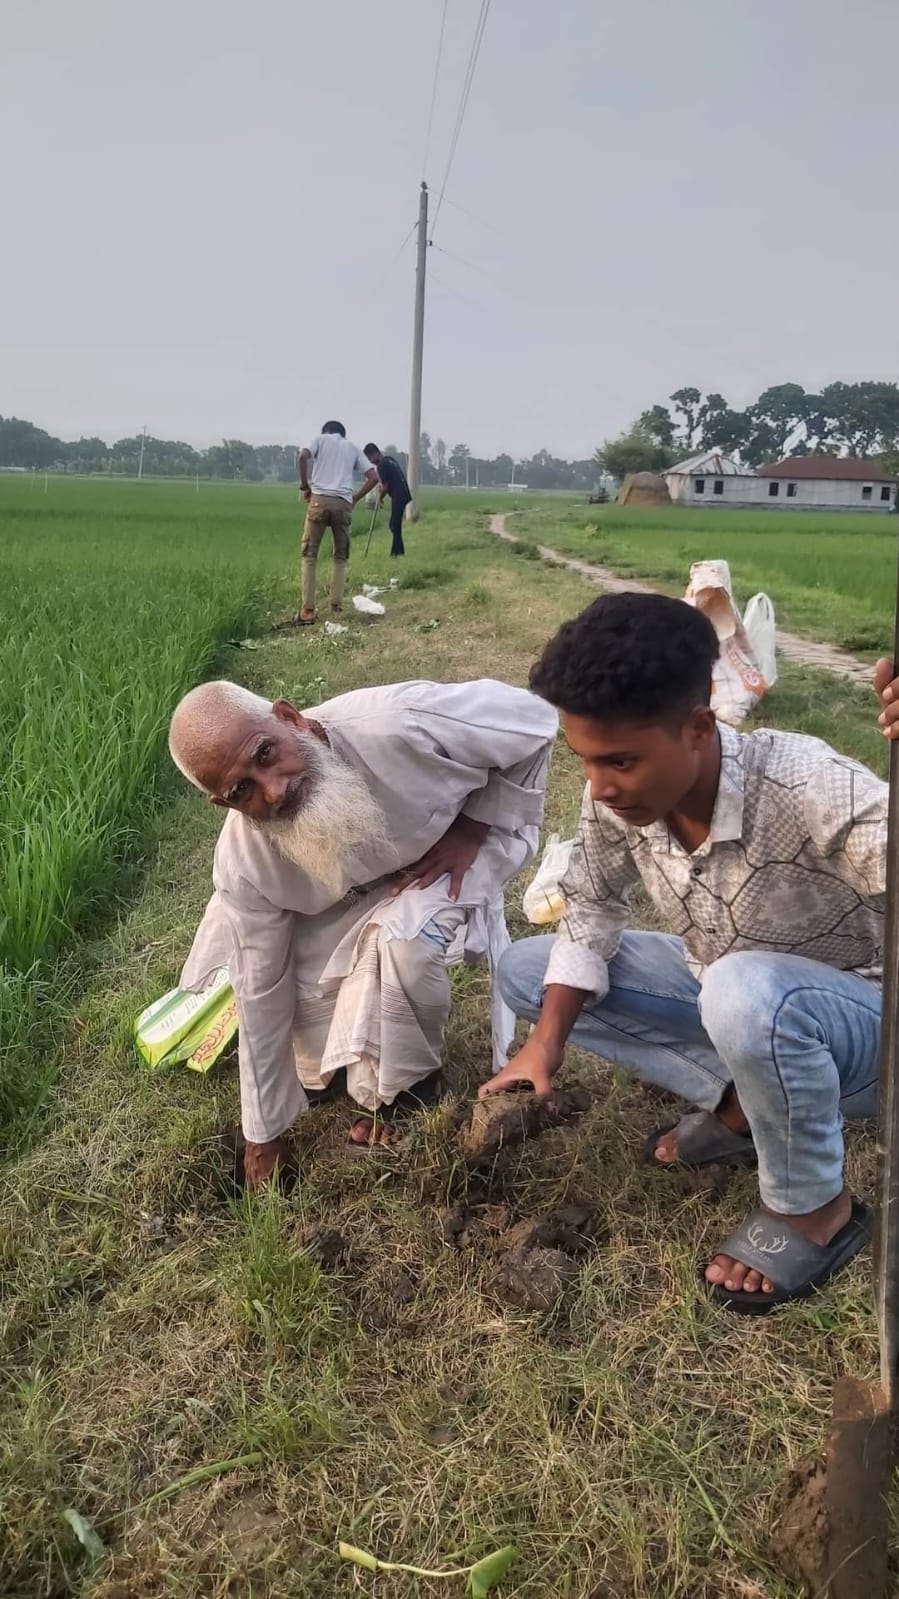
801, 651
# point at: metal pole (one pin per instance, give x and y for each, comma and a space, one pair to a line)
140, 464
374, 518
886, 1241
418, 339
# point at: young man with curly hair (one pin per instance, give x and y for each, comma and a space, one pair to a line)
765, 853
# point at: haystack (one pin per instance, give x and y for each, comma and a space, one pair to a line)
644, 488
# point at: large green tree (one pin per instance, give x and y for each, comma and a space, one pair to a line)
687, 402
633, 451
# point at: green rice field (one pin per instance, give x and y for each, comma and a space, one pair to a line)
831, 576
115, 598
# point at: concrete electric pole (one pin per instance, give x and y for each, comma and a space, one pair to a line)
418, 339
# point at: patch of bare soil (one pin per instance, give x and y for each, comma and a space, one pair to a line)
538, 1258
799, 1538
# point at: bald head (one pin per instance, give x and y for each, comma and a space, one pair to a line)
207, 723
278, 769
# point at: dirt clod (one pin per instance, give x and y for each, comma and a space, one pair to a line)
572, 1229
397, 1284
539, 1256
503, 1119
799, 1538
535, 1279
325, 1244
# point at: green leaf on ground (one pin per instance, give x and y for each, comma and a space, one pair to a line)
489, 1571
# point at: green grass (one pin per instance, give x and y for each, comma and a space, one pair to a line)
633, 1444
832, 577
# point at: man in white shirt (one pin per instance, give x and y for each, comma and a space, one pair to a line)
365, 850
328, 467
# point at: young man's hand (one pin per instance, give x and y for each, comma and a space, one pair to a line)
886, 687
537, 1064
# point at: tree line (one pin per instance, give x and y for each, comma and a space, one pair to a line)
860, 419
25, 446
457, 467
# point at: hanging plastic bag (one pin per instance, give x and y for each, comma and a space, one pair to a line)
193, 1028
543, 902
738, 681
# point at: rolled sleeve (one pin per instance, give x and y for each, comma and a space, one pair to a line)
596, 890
504, 801
576, 965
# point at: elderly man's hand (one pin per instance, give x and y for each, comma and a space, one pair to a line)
451, 856
886, 687
263, 1163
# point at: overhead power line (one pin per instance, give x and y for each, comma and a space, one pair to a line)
480, 26
424, 164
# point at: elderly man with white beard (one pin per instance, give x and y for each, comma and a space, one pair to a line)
365, 851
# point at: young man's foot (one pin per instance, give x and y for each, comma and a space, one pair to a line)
729, 1113
306, 619
819, 1226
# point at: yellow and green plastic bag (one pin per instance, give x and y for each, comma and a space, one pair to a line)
195, 1029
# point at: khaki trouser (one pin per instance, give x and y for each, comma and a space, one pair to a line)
323, 511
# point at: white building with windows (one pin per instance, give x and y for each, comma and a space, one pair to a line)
801, 482
709, 479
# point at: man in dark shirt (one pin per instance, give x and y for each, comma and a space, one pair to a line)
393, 482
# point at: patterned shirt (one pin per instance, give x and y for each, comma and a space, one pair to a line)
795, 862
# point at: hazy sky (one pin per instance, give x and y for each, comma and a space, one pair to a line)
205, 203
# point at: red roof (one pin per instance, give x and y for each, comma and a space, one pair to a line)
833, 468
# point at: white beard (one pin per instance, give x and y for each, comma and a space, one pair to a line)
339, 819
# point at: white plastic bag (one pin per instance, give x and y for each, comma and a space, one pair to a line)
366, 606
543, 902
738, 681
758, 620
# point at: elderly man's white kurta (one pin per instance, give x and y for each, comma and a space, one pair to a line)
299, 953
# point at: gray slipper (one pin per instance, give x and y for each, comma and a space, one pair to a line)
702, 1139
772, 1246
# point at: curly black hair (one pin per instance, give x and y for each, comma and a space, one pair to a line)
629, 658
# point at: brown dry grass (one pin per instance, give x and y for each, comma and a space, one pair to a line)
632, 1444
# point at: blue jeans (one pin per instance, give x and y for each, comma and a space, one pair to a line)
799, 1041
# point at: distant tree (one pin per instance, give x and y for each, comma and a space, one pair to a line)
23, 444
633, 451
459, 454
817, 427
277, 461
863, 416
762, 444
687, 403
726, 430
88, 455
658, 424
440, 460
783, 410
427, 464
